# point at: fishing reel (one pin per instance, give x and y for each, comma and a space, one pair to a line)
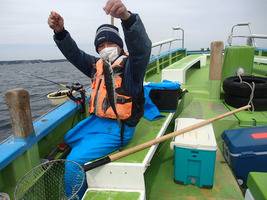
76, 86
77, 94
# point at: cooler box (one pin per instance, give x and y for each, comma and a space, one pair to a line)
246, 150
194, 154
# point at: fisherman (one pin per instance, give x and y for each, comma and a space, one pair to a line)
114, 111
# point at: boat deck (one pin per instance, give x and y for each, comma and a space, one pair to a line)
163, 187
104, 195
145, 131
197, 104
159, 177
194, 105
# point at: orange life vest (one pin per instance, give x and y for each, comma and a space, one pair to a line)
99, 102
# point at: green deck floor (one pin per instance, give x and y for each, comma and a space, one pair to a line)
161, 186
145, 131
197, 104
111, 195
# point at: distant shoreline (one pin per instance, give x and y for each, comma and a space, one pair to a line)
31, 61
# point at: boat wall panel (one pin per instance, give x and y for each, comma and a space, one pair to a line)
17, 156
107, 176
56, 135
14, 171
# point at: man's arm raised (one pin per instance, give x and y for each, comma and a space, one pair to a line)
138, 44
68, 46
56, 22
116, 9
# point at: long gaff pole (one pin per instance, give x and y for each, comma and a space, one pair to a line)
158, 140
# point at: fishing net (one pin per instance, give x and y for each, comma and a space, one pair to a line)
51, 181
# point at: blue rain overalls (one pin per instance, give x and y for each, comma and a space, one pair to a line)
93, 138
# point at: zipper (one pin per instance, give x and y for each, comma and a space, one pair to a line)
96, 96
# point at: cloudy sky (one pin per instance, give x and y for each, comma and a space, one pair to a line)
24, 33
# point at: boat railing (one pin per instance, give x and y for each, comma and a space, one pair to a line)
250, 37
161, 59
170, 41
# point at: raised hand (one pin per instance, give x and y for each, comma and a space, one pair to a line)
116, 9
55, 22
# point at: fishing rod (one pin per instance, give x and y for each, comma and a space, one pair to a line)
76, 86
29, 74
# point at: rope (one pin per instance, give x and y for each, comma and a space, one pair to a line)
250, 102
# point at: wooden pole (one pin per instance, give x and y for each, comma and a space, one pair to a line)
145, 145
216, 60
18, 102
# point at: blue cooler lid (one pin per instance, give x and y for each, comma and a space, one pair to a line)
246, 139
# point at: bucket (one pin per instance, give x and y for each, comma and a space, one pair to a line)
58, 97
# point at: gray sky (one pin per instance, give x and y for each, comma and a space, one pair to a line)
24, 33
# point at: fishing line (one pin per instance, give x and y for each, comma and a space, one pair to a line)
41, 98
28, 74
60, 84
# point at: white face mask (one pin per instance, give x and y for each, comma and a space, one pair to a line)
109, 53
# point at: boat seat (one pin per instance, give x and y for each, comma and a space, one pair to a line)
260, 59
177, 70
130, 170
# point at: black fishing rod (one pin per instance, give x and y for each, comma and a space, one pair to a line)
29, 74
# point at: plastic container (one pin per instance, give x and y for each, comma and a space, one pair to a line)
246, 150
194, 154
58, 97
